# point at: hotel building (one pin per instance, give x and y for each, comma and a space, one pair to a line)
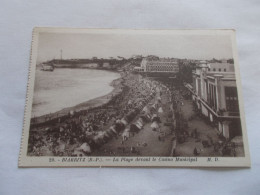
155, 64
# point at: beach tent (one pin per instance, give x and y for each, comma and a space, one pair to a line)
85, 148
155, 125
78, 152
139, 126
130, 115
156, 118
149, 116
119, 127
154, 115
141, 120
153, 109
126, 133
139, 123
101, 136
146, 110
134, 128
124, 121
145, 118
160, 110
238, 141
61, 147
110, 132
136, 110
107, 135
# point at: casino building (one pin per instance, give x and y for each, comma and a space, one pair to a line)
214, 92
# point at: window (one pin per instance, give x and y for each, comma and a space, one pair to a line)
219, 69
212, 96
231, 99
225, 70
214, 69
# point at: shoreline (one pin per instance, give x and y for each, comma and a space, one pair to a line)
89, 104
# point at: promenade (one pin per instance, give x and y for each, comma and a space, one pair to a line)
136, 121
146, 142
205, 132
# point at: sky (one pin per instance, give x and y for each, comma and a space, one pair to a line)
90, 45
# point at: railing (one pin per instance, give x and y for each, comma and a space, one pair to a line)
220, 114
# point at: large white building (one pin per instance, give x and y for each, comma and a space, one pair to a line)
154, 64
215, 95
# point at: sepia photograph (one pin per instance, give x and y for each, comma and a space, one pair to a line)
111, 97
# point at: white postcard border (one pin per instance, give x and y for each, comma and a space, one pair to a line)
92, 161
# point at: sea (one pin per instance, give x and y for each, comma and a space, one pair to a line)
65, 87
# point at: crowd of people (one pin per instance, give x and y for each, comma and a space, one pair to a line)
80, 134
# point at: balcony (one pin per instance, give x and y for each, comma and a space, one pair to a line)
229, 113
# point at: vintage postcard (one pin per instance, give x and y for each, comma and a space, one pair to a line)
134, 98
